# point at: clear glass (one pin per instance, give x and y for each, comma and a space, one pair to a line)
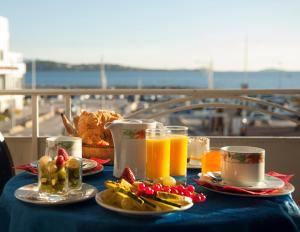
211, 160
74, 170
157, 153
52, 178
198, 146
178, 153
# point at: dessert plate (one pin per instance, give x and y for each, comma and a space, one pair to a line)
86, 164
285, 190
100, 201
29, 193
270, 182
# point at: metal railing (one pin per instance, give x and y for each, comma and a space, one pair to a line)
158, 109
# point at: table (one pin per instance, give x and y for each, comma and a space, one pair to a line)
218, 213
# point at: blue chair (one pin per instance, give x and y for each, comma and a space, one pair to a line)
6, 163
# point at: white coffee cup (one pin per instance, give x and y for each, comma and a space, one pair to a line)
72, 145
243, 166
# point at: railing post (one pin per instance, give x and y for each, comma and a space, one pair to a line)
35, 126
68, 102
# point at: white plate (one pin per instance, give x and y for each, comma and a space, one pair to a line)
285, 190
29, 193
86, 164
99, 200
270, 182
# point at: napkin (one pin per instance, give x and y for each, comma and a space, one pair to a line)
283, 177
100, 162
27, 168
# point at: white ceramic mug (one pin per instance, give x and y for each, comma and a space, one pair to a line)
243, 166
72, 145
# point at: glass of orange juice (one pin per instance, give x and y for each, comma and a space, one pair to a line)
157, 153
211, 160
178, 153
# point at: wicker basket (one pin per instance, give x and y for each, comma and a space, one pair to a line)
99, 152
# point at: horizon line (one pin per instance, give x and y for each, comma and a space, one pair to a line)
161, 68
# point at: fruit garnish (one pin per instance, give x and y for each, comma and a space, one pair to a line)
62, 152
60, 161
191, 188
199, 197
44, 160
73, 163
169, 181
141, 187
128, 175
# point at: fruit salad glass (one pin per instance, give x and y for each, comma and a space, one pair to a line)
52, 176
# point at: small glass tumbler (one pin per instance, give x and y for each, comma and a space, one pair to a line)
74, 170
211, 160
157, 153
198, 146
178, 153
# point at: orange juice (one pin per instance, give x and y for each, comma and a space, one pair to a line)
211, 161
178, 155
158, 158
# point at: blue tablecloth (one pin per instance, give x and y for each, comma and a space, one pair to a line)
218, 213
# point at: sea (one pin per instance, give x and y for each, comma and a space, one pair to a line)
165, 79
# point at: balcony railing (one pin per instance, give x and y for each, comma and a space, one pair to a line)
282, 152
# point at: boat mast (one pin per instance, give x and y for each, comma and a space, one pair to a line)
103, 80
245, 81
210, 77
33, 74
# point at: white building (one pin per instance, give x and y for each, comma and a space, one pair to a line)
12, 70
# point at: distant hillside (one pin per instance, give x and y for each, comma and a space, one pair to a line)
42, 65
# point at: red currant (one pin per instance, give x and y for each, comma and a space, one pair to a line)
187, 193
166, 189
149, 191
174, 190
199, 197
157, 187
202, 197
191, 188
180, 188
141, 187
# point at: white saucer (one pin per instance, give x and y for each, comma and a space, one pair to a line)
270, 182
287, 189
29, 193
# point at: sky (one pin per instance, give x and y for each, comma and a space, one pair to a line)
158, 33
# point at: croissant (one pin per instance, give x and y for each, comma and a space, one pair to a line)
90, 127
